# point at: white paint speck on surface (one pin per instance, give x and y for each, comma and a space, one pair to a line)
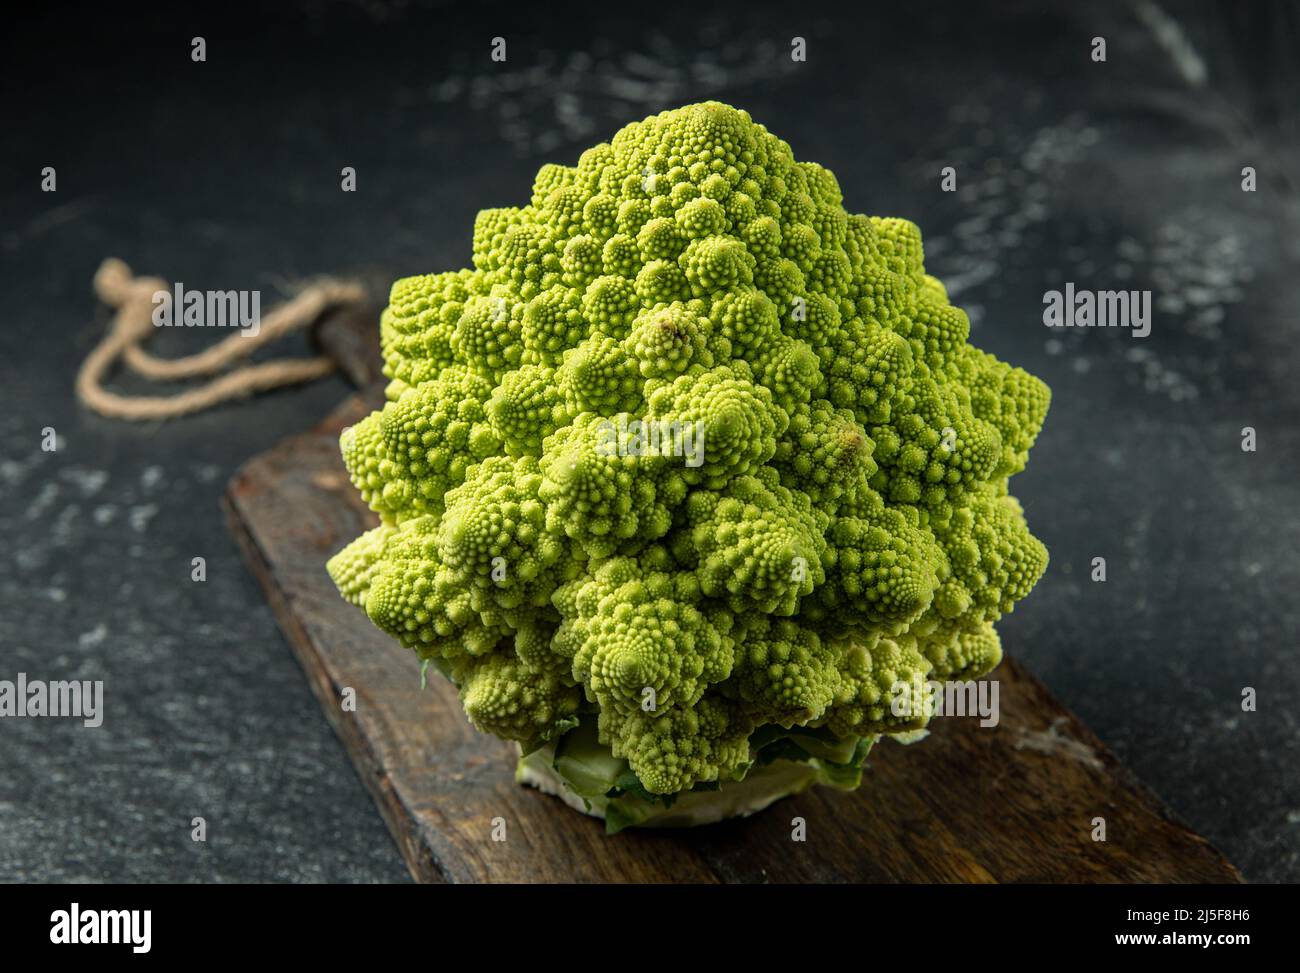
140, 516
88, 640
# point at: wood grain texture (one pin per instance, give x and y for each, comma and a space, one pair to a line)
347, 334
1014, 803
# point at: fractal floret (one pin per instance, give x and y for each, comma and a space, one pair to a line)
694, 479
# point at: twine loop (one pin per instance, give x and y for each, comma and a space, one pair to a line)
132, 299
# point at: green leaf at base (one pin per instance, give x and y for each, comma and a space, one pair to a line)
583, 773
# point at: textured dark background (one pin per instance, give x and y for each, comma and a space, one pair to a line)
226, 175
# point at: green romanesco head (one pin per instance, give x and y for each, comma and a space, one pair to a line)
695, 459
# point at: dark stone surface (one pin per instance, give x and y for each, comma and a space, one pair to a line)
225, 175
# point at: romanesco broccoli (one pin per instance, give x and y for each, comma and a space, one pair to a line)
689, 475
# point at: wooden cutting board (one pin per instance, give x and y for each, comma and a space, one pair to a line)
1015, 803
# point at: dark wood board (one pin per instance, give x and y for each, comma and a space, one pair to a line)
1014, 803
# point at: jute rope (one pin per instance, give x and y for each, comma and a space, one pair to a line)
132, 297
